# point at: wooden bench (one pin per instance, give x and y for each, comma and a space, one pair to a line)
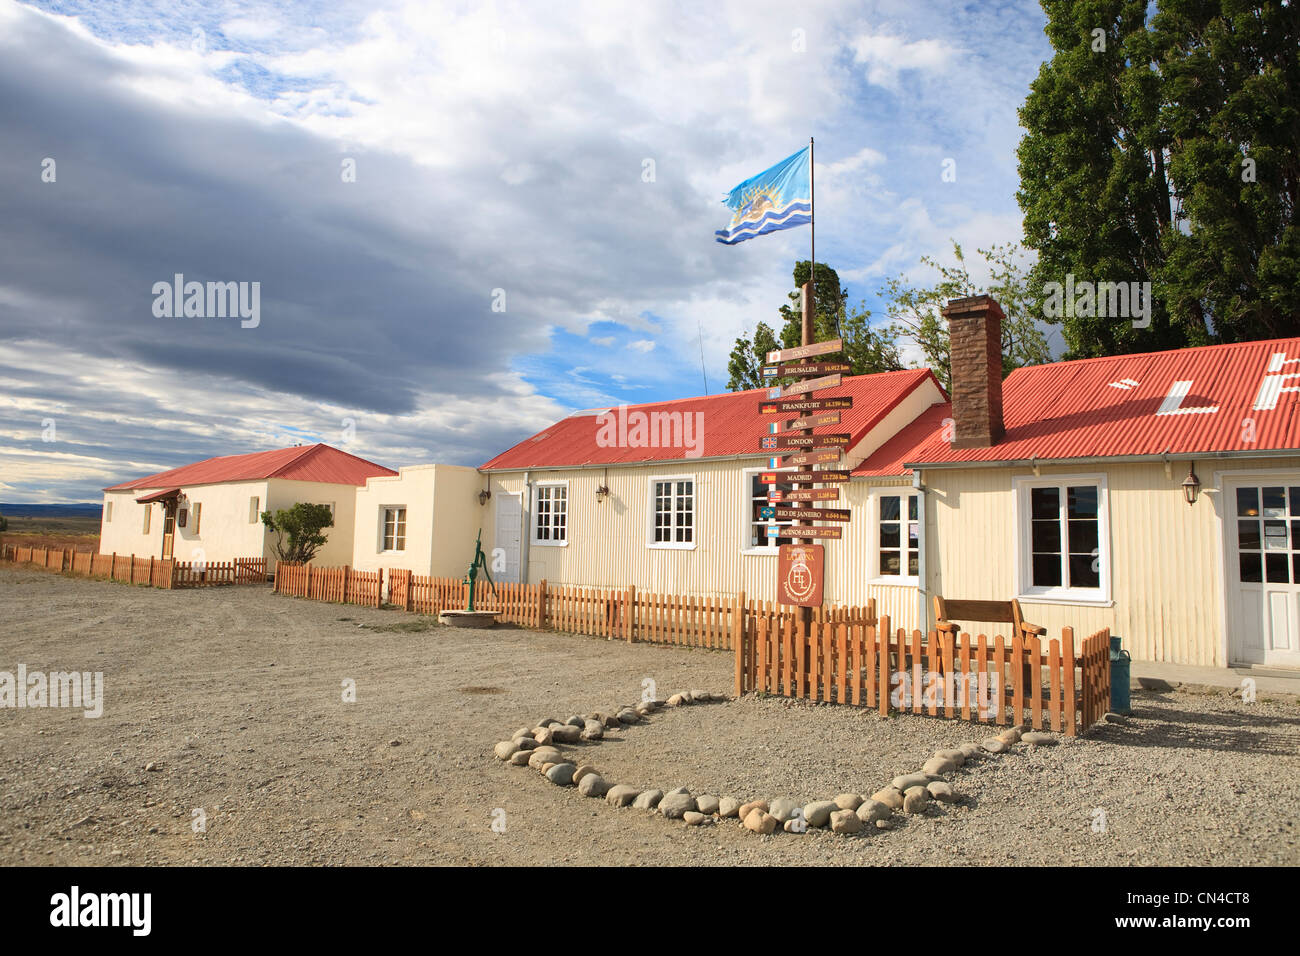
992, 612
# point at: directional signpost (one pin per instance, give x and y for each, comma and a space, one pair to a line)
801, 566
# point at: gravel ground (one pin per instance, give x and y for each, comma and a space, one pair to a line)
235, 697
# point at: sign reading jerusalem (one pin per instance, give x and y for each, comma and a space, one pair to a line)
801, 574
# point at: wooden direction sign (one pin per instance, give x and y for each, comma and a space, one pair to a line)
796, 369
809, 494
801, 405
806, 351
811, 385
801, 574
817, 456
834, 531
798, 477
809, 514
803, 441
812, 421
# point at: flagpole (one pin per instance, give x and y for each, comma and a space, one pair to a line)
812, 215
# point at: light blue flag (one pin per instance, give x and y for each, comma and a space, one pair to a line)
777, 198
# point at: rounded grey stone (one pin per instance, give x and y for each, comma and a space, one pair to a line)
648, 800
561, 774
676, 804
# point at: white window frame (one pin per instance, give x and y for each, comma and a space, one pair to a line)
196, 518
902, 492
108, 511
1021, 511
383, 528
747, 521
532, 515
148, 517
650, 541
254, 509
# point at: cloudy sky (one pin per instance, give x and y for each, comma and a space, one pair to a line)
501, 154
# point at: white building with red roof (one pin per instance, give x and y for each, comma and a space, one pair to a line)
1157, 495
210, 510
667, 497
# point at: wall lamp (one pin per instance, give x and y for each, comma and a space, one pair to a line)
602, 493
483, 496
1191, 486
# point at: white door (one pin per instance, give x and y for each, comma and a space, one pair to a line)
1262, 528
505, 539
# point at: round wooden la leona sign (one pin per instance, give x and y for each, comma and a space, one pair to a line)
801, 574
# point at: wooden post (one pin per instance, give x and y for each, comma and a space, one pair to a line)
629, 614
541, 604
738, 642
882, 637
307, 592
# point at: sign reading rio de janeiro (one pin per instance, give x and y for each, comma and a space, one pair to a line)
801, 574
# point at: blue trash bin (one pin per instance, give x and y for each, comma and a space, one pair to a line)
1119, 678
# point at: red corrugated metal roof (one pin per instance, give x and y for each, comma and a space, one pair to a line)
1213, 399
322, 463
732, 425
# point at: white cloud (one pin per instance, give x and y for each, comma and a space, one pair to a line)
887, 55
642, 345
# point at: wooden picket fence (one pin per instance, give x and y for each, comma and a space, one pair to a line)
155, 572
624, 614
968, 676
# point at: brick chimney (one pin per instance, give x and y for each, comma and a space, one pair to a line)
975, 334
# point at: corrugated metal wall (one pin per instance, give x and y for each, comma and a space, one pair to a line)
607, 540
1166, 556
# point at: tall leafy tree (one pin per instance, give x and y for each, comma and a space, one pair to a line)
1132, 167
915, 309
866, 349
1231, 111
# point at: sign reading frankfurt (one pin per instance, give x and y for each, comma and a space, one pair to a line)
800, 406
